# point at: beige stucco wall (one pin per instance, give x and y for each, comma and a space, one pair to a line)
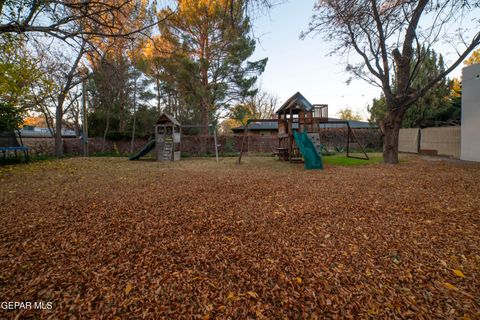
470, 136
408, 140
446, 140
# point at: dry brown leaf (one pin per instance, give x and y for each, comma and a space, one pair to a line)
298, 280
199, 238
231, 297
128, 288
458, 273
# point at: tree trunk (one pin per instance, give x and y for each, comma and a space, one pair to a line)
204, 65
159, 97
122, 111
107, 126
169, 103
61, 100
76, 123
204, 131
391, 129
58, 126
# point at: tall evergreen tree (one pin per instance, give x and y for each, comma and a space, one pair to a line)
428, 108
209, 67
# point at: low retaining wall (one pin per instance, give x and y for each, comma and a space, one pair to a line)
74, 146
97, 145
409, 140
444, 141
192, 145
337, 137
40, 146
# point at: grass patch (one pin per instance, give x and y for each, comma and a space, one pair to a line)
11, 160
343, 160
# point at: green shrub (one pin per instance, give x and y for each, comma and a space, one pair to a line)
10, 117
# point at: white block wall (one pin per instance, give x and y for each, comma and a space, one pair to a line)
470, 135
446, 140
408, 140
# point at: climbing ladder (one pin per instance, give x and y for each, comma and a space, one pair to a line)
167, 150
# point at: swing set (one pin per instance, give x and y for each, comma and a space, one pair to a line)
297, 114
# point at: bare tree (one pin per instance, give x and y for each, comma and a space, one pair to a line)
71, 79
58, 99
65, 19
73, 111
68, 19
387, 37
263, 104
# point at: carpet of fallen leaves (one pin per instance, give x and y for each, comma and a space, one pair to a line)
104, 238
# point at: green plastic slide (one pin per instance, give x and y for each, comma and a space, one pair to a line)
146, 149
312, 158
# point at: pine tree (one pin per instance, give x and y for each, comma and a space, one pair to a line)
209, 69
427, 110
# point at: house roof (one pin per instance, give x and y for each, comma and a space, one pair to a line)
31, 131
164, 118
297, 101
354, 124
273, 125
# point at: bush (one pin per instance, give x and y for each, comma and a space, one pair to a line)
117, 135
10, 117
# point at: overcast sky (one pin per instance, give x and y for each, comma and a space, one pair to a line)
302, 65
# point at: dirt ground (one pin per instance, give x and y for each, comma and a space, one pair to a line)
105, 238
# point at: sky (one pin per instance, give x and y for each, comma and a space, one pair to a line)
303, 65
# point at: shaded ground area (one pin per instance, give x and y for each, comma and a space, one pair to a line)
110, 239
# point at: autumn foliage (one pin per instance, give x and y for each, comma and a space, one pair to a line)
111, 239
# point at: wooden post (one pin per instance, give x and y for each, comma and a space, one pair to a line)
312, 122
278, 133
304, 121
348, 139
248, 142
85, 122
290, 135
215, 140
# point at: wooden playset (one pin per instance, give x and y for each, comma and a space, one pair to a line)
167, 141
297, 114
168, 138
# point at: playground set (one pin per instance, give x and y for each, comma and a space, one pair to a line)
167, 141
299, 127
